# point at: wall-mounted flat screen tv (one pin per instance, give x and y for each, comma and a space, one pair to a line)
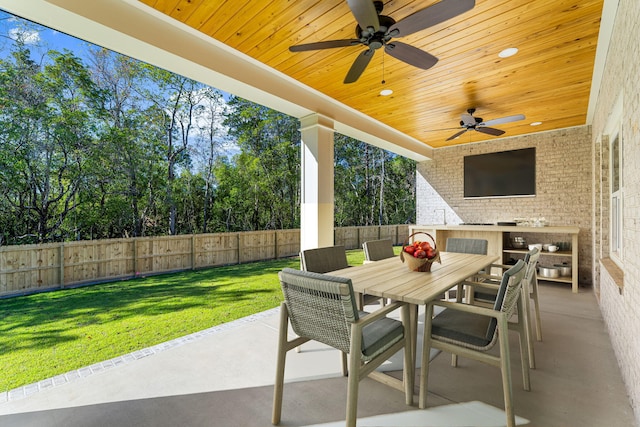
502, 174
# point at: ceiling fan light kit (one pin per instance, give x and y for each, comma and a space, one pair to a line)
469, 122
375, 31
506, 53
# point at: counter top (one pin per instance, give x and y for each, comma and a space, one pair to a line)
501, 228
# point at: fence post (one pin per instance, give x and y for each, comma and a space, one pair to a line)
193, 252
239, 251
61, 265
135, 256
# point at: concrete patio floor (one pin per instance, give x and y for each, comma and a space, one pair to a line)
224, 377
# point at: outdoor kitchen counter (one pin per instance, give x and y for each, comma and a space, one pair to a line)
499, 242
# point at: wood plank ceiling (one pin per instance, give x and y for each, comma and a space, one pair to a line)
548, 80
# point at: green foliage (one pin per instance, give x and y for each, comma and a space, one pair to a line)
372, 186
50, 112
117, 148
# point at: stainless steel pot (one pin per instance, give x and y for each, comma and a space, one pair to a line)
564, 269
549, 272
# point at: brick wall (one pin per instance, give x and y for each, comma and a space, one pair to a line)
621, 309
573, 172
563, 186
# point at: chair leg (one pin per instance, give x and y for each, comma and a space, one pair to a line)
524, 318
426, 349
503, 337
409, 373
345, 368
526, 343
353, 379
280, 363
536, 307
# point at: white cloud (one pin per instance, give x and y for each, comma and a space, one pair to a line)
29, 37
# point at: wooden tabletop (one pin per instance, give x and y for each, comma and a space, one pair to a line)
391, 278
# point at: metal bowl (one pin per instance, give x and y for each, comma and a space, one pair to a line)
564, 269
518, 243
549, 272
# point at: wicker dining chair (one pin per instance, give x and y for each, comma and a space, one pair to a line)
332, 258
471, 331
465, 246
376, 250
529, 290
324, 260
322, 308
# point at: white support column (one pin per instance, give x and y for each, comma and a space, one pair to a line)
316, 210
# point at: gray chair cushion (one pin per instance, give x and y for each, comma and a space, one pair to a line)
380, 334
462, 327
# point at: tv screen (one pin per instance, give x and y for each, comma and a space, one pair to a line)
503, 174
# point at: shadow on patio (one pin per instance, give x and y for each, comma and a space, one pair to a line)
224, 376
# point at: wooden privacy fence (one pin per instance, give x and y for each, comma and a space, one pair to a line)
31, 268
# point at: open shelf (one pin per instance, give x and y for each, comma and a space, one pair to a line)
558, 279
524, 251
499, 243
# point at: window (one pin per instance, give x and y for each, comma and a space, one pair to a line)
616, 197
616, 167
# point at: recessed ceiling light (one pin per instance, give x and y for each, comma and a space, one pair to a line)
386, 92
536, 123
510, 51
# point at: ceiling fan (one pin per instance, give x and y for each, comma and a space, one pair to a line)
375, 31
469, 122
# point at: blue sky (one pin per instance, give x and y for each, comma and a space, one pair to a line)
38, 37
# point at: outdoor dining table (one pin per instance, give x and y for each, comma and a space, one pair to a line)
391, 278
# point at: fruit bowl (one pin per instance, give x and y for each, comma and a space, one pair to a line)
419, 255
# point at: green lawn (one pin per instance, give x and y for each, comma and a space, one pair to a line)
51, 333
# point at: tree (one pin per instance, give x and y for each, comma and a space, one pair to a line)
371, 185
131, 153
175, 102
212, 136
268, 168
49, 114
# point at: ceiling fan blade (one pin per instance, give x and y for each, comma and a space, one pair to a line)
502, 120
359, 65
365, 13
468, 119
442, 129
455, 135
330, 44
430, 16
411, 55
490, 131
